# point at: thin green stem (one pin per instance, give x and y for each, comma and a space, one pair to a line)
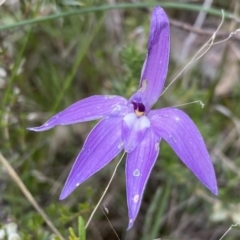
186, 6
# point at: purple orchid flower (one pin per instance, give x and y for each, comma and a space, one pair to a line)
131, 126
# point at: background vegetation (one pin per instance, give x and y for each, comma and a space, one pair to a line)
47, 65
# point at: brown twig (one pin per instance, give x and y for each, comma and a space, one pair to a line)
200, 31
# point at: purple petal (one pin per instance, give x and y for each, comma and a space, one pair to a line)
139, 164
88, 109
180, 132
103, 143
155, 67
133, 130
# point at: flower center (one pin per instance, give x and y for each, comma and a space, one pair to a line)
139, 108
138, 104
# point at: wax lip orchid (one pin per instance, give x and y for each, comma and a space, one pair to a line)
131, 126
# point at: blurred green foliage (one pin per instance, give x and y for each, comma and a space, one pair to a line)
47, 66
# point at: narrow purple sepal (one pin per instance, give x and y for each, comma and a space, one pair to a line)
88, 109
139, 164
102, 144
155, 67
180, 132
133, 130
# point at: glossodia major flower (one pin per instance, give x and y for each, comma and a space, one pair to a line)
131, 126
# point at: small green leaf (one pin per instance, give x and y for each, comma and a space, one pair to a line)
81, 229
72, 235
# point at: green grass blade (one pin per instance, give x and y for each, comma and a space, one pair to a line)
157, 223
152, 209
81, 229
186, 6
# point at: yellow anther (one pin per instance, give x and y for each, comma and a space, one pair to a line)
139, 114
